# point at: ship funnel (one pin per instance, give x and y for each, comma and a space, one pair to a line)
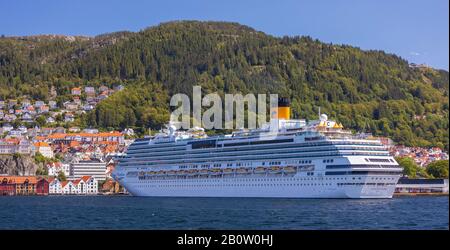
283, 111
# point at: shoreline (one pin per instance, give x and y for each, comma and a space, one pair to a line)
123, 195
420, 194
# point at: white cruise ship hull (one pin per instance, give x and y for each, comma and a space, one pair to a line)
313, 163
281, 187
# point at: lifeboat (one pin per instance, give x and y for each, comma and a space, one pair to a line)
242, 171
228, 171
203, 172
181, 172
260, 170
192, 172
289, 170
171, 172
161, 172
215, 171
275, 170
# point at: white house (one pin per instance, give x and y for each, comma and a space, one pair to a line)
67, 187
55, 167
69, 117
50, 120
54, 186
44, 149
86, 185
37, 104
7, 128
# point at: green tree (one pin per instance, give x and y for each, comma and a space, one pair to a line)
40, 121
39, 158
410, 168
42, 171
438, 169
61, 176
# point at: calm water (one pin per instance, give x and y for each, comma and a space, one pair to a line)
126, 212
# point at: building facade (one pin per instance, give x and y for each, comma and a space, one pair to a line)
19, 185
86, 185
406, 185
94, 168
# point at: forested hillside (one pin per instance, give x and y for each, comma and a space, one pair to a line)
368, 91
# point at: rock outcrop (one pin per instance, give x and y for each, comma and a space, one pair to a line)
17, 165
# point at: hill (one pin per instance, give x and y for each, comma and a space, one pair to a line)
365, 90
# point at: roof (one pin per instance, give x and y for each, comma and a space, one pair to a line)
19, 179
57, 136
41, 144
74, 144
85, 178
84, 134
11, 140
64, 183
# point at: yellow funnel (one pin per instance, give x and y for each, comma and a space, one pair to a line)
283, 112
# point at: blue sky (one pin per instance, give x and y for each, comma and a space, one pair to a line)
416, 30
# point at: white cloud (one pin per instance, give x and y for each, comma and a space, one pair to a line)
413, 53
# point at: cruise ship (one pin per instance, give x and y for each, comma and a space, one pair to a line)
297, 159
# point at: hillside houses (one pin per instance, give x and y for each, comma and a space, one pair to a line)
81, 100
15, 146
422, 156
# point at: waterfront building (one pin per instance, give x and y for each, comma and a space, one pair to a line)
111, 186
42, 187
55, 186
18, 185
86, 185
67, 187
95, 168
7, 186
406, 185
